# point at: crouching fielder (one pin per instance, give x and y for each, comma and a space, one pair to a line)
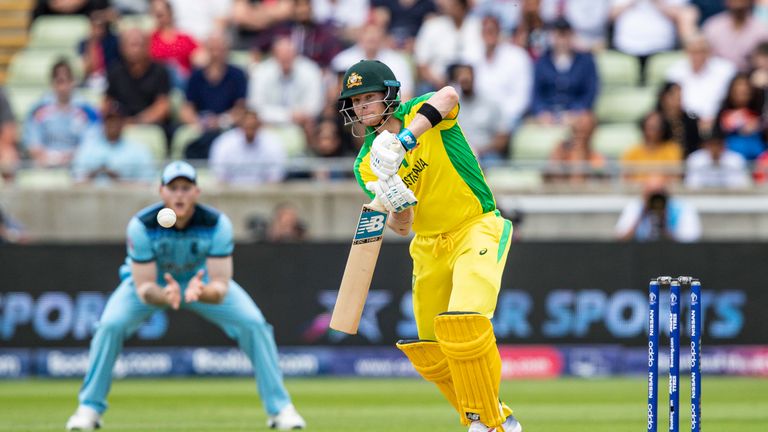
188, 266
431, 182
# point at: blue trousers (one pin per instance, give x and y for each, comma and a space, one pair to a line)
238, 316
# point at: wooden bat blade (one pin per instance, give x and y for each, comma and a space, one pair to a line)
358, 272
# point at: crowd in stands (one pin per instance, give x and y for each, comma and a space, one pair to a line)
248, 86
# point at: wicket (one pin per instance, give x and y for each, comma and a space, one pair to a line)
674, 285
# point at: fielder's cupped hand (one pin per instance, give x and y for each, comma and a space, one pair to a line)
194, 288
386, 155
392, 193
172, 291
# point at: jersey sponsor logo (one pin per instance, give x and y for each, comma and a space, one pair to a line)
483, 251
411, 178
354, 80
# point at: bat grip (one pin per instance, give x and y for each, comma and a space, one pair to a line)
376, 205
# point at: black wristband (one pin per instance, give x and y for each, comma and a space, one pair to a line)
431, 113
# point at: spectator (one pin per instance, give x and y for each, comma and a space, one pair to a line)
684, 125
733, 34
318, 42
248, 154
507, 11
9, 155
58, 124
449, 38
68, 7
759, 75
286, 226
740, 118
646, 27
589, 19
715, 166
254, 19
657, 216
171, 47
138, 84
656, 153
402, 19
106, 157
504, 73
99, 52
371, 46
486, 129
347, 16
287, 88
761, 168
565, 80
703, 78
329, 143
708, 8
574, 160
200, 18
130, 7
761, 11
11, 231
215, 96
532, 33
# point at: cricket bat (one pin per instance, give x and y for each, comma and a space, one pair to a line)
358, 272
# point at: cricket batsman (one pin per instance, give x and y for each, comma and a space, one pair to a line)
432, 183
187, 266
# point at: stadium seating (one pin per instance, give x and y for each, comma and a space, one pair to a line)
617, 69
505, 177
242, 59
181, 138
58, 31
536, 142
32, 68
612, 140
142, 22
292, 136
150, 136
44, 178
22, 99
659, 64
625, 104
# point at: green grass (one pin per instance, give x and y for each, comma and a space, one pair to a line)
563, 405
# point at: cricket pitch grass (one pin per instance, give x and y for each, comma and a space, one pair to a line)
379, 405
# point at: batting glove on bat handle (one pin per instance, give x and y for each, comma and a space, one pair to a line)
386, 155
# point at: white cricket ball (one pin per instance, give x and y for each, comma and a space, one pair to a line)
166, 218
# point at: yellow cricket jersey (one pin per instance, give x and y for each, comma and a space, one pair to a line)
442, 171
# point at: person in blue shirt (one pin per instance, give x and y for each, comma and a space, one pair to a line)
566, 82
105, 156
187, 266
58, 123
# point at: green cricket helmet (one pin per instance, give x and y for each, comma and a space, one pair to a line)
368, 76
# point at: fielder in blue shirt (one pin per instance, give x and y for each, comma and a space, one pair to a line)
187, 266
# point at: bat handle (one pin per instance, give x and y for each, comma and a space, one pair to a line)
376, 205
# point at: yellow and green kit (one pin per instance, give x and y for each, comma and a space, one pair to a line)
461, 241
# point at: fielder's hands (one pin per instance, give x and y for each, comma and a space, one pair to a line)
194, 288
172, 291
386, 155
392, 193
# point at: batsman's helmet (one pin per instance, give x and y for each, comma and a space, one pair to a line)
368, 76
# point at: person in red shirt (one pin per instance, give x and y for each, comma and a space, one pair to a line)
170, 46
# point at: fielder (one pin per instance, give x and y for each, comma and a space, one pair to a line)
187, 266
432, 183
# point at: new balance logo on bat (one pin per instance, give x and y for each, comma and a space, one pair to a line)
370, 227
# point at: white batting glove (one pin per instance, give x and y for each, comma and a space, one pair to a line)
387, 154
393, 194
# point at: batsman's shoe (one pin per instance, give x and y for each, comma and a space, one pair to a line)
84, 419
287, 419
510, 425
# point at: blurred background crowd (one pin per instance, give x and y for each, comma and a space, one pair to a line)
576, 92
